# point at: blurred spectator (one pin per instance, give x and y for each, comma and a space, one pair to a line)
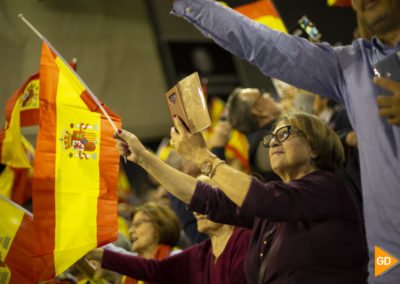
155, 231
335, 116
217, 260
254, 113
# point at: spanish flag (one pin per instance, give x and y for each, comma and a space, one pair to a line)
16, 231
262, 11
75, 173
22, 109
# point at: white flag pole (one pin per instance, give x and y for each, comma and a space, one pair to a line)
21, 16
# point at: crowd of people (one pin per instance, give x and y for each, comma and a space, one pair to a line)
323, 182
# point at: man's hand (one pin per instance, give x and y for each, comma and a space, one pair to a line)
389, 106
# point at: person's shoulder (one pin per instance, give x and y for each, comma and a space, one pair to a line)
322, 177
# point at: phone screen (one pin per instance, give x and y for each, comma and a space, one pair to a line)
309, 28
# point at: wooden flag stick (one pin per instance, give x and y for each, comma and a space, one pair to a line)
21, 16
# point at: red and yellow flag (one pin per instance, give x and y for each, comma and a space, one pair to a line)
16, 231
75, 173
262, 11
22, 109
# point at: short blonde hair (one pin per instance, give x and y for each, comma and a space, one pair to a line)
322, 139
165, 222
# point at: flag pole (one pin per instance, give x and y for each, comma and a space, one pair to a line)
21, 16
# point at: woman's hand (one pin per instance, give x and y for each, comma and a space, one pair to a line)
192, 147
96, 255
129, 145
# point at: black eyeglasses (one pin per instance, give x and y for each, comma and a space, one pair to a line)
282, 134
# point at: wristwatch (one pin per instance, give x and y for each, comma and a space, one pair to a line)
206, 167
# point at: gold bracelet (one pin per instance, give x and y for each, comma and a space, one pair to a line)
220, 162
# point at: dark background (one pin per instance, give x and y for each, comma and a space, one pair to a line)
179, 41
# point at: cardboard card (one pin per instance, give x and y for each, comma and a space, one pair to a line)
187, 101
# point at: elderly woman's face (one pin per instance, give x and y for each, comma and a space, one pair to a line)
291, 155
143, 233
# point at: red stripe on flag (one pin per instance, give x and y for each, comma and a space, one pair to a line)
44, 173
19, 257
258, 9
30, 117
22, 187
107, 225
239, 155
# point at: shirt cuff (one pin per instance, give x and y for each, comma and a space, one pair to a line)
199, 202
107, 256
187, 8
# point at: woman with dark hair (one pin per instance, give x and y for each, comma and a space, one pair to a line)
306, 228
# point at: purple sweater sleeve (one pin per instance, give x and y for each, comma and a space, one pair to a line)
169, 270
211, 201
313, 197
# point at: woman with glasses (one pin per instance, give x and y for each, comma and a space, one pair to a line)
219, 259
155, 231
306, 228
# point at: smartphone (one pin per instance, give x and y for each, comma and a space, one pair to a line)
389, 67
309, 28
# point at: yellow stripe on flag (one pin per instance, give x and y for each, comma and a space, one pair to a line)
6, 182
13, 152
76, 213
10, 221
272, 22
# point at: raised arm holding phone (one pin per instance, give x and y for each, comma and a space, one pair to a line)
344, 74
